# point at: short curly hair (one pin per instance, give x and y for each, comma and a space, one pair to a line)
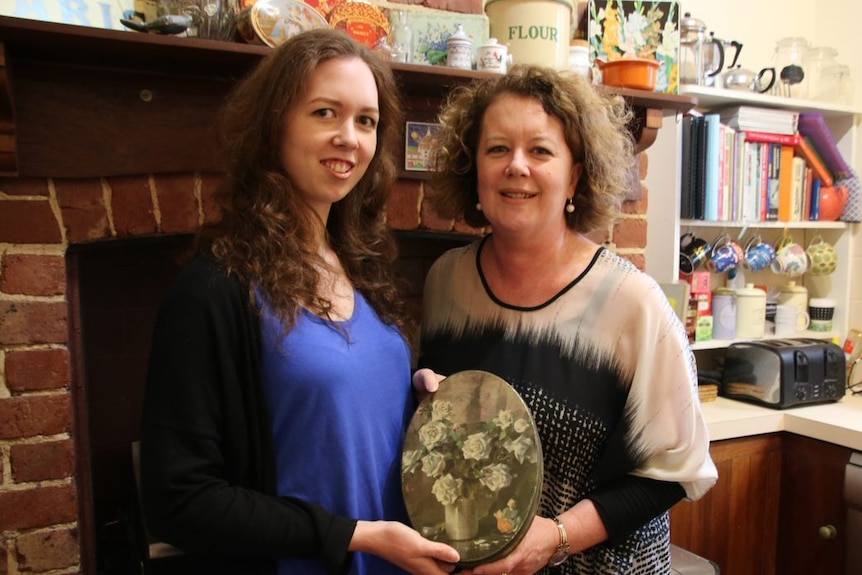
595, 127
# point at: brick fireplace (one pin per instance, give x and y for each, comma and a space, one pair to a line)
84, 259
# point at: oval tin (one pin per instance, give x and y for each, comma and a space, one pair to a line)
271, 22
472, 467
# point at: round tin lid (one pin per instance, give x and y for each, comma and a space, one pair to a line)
472, 467
274, 21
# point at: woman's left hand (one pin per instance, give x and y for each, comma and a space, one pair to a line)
531, 554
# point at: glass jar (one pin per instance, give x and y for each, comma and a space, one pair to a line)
790, 56
835, 85
401, 37
816, 61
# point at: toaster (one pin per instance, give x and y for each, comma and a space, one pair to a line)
783, 373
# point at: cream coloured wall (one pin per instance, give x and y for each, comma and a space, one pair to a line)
759, 24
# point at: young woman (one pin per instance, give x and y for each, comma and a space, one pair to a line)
279, 384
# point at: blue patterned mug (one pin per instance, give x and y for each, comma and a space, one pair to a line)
759, 255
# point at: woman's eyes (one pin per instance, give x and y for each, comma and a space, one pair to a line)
367, 121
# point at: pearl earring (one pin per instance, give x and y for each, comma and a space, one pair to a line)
479, 206
570, 206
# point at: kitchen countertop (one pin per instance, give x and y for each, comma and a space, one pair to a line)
839, 423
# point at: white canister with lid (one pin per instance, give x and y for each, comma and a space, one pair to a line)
723, 313
579, 58
750, 312
795, 295
459, 49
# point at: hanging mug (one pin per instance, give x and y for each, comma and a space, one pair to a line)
824, 259
790, 258
724, 255
693, 252
759, 255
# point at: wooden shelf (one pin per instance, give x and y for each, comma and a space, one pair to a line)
77, 101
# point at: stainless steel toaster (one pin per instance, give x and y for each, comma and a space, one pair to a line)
782, 373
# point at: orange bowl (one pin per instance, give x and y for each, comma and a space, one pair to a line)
635, 73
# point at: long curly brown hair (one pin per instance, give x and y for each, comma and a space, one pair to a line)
594, 125
266, 232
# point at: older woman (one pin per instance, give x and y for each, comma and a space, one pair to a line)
588, 340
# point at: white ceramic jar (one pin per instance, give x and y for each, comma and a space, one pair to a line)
459, 49
750, 312
579, 58
794, 295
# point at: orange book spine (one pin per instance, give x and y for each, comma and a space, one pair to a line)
804, 149
785, 185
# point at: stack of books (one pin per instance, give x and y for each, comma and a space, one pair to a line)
752, 164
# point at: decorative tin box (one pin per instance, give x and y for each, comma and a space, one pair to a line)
431, 28
472, 467
618, 28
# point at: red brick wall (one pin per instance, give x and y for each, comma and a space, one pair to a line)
39, 220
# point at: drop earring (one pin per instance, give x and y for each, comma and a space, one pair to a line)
479, 206
570, 206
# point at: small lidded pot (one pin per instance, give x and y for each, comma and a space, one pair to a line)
579, 58
459, 49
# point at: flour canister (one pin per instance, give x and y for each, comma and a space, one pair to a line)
723, 313
536, 31
750, 312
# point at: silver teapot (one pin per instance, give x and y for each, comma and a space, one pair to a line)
739, 78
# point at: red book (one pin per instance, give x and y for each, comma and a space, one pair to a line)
772, 138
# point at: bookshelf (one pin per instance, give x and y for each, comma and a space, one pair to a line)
666, 225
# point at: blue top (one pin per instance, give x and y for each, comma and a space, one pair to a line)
340, 401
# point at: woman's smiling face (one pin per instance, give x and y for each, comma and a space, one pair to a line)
524, 166
330, 136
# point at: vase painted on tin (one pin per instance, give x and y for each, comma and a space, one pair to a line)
461, 519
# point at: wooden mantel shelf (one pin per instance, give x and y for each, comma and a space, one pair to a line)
87, 102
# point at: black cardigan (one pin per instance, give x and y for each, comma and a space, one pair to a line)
207, 462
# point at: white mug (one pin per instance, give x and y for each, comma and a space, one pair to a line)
790, 320
493, 57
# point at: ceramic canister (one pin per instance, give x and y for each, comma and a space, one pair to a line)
459, 49
723, 313
750, 312
795, 295
536, 31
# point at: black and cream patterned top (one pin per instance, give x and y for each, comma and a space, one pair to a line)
606, 369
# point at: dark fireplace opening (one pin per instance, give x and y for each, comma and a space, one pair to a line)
120, 285
114, 293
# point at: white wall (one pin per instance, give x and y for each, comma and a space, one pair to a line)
759, 24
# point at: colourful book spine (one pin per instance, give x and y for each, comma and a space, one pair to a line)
785, 185
771, 138
814, 213
806, 151
712, 166
813, 126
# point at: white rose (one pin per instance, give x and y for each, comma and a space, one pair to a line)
521, 448
441, 410
504, 419
432, 434
521, 425
477, 446
447, 489
496, 476
433, 464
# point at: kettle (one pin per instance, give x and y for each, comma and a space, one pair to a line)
694, 44
740, 78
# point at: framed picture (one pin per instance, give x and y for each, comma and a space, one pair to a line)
420, 141
641, 28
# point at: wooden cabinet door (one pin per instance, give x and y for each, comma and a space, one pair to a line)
736, 523
812, 497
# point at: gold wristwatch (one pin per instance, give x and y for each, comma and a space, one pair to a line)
562, 552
